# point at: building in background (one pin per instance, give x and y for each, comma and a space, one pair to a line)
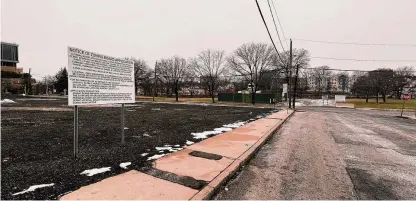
11, 75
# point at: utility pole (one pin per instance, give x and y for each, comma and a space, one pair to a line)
290, 76
154, 84
296, 83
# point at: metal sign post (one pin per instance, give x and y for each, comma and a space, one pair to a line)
76, 131
122, 124
82, 92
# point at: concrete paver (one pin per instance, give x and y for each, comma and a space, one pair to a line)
229, 144
181, 163
132, 185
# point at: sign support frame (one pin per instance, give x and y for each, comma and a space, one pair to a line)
76, 126
122, 124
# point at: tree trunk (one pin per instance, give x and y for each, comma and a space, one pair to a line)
212, 92
384, 97
366, 98
253, 94
176, 92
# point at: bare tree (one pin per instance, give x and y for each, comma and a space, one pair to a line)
300, 57
403, 77
362, 86
383, 81
251, 61
49, 82
343, 79
209, 66
320, 78
141, 70
172, 72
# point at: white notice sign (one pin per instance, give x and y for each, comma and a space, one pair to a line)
98, 79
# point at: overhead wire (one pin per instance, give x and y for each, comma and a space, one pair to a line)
354, 43
280, 24
265, 24
275, 26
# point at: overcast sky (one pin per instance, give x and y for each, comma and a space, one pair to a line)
154, 29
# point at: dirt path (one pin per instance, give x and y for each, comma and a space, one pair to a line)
333, 153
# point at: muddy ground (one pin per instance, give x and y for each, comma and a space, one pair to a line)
37, 146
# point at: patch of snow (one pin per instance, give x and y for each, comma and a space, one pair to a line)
189, 142
144, 154
124, 165
252, 119
155, 157
7, 101
163, 148
33, 188
155, 109
146, 135
125, 128
171, 149
94, 171
177, 145
223, 129
205, 134
235, 125
177, 149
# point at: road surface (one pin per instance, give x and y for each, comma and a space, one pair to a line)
333, 153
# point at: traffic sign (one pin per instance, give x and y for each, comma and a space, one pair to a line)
405, 97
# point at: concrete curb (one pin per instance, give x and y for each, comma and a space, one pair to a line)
208, 191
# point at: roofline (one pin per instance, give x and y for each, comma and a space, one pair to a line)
6, 43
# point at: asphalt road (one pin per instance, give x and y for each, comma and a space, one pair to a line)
333, 153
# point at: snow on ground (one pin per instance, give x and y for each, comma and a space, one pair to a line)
7, 101
203, 135
155, 109
33, 188
94, 171
155, 157
223, 129
125, 128
315, 102
144, 154
216, 131
168, 148
177, 145
235, 125
124, 165
189, 142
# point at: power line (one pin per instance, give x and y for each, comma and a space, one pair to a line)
261, 14
275, 26
352, 43
278, 20
369, 60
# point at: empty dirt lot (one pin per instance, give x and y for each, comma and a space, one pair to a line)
37, 140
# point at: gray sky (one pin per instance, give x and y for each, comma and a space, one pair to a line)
153, 29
